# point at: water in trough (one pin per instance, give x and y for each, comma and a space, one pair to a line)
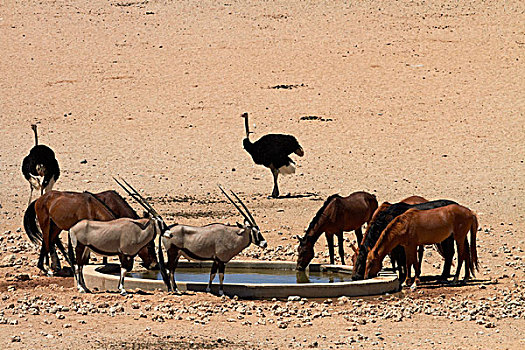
251, 275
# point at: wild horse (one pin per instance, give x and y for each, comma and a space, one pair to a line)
57, 211
418, 227
337, 214
382, 217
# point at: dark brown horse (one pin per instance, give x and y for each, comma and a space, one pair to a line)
57, 211
338, 214
418, 227
382, 217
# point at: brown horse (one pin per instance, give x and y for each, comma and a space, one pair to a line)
57, 211
382, 217
418, 227
338, 214
413, 200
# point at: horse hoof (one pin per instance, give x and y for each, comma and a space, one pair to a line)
123, 292
208, 289
221, 292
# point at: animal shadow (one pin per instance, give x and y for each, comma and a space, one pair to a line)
298, 195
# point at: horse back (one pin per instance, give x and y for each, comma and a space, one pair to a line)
356, 209
435, 225
117, 204
65, 209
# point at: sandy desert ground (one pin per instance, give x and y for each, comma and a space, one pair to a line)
412, 97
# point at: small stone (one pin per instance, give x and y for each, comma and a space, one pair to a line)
15, 339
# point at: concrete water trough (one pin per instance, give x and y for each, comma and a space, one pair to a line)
252, 280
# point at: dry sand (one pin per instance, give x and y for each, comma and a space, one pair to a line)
418, 97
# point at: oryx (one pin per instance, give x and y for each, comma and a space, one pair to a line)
216, 242
124, 237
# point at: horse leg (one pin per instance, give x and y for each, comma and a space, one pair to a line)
411, 260
42, 259
53, 236
341, 247
358, 236
213, 272
221, 277
467, 260
330, 241
460, 244
420, 251
45, 222
275, 173
447, 247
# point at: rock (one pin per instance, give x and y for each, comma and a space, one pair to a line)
15, 339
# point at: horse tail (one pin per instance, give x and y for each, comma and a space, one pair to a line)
162, 266
32, 231
473, 250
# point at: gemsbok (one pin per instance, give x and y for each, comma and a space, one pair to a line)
124, 237
216, 242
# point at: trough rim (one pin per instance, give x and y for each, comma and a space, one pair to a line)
385, 282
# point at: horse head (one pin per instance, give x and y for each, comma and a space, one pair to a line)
373, 265
305, 253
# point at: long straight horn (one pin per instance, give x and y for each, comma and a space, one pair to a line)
246, 125
33, 126
153, 211
245, 208
236, 206
137, 197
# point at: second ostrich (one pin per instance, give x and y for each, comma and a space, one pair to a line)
273, 152
40, 163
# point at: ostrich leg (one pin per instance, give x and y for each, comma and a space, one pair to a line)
275, 192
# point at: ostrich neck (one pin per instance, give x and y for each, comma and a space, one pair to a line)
247, 127
36, 136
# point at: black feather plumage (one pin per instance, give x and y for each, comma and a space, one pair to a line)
273, 152
272, 149
41, 161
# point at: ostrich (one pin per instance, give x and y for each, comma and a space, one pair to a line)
272, 151
40, 162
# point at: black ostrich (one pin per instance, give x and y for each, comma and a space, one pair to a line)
272, 151
40, 162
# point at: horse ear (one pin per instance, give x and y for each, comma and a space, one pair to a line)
354, 248
299, 239
239, 225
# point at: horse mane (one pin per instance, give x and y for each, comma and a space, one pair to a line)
393, 228
380, 221
317, 216
104, 205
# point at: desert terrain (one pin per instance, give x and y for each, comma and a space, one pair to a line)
393, 98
